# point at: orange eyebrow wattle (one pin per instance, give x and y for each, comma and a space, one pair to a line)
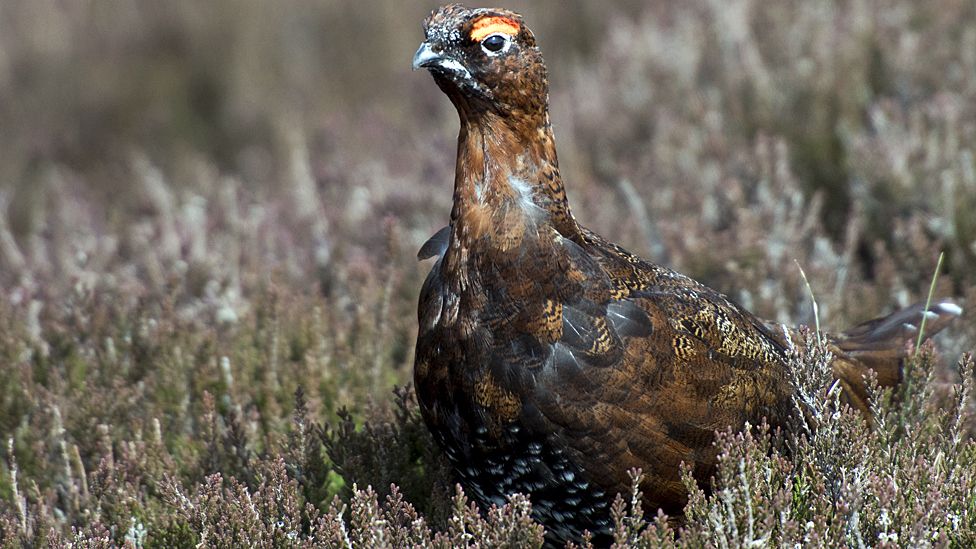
486, 26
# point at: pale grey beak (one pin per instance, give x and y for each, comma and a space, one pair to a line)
425, 57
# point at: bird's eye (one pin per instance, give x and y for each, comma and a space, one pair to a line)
495, 43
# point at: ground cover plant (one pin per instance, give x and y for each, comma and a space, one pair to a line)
209, 215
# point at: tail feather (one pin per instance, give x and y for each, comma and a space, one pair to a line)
899, 327
881, 345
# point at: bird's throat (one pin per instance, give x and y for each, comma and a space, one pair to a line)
507, 185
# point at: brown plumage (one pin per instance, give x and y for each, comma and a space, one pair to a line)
550, 361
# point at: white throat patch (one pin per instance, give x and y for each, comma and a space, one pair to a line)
525, 197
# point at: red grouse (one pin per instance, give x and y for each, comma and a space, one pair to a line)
551, 361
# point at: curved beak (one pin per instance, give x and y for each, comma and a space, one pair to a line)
426, 57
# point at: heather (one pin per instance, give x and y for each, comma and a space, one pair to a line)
208, 274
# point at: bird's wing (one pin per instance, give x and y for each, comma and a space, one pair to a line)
630, 365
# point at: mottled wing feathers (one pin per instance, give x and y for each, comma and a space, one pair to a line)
693, 310
628, 319
636, 380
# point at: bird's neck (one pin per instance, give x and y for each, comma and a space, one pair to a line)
507, 186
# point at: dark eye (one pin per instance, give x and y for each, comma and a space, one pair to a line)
494, 43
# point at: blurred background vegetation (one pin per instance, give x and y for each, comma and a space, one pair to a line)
222, 200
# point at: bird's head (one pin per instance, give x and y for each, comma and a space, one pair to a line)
484, 60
